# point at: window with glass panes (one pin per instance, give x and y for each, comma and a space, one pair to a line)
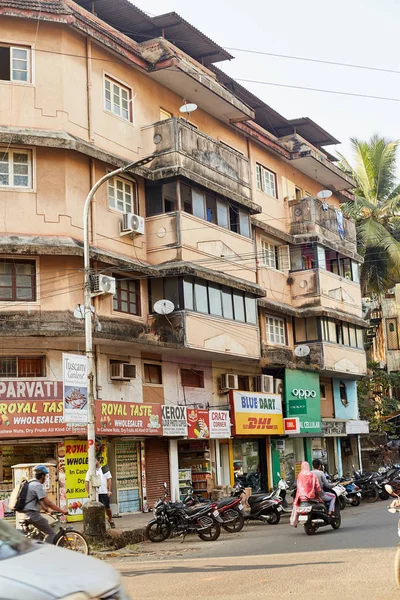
266, 180
268, 254
15, 64
276, 331
121, 195
22, 366
17, 280
117, 99
15, 168
127, 296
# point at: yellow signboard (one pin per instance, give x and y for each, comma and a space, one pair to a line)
257, 413
76, 466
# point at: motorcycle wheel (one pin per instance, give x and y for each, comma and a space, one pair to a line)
397, 567
157, 532
310, 529
235, 525
370, 494
342, 502
383, 495
211, 534
356, 501
337, 522
274, 518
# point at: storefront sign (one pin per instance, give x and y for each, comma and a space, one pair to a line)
174, 420
75, 388
280, 444
257, 413
33, 409
355, 427
76, 467
333, 428
302, 398
128, 418
292, 425
220, 424
198, 424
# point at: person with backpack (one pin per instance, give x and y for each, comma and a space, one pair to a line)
36, 499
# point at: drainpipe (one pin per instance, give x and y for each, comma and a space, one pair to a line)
89, 87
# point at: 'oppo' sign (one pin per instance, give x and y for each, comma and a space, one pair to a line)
304, 393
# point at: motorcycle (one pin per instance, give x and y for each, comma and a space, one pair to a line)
394, 508
175, 519
368, 485
229, 510
264, 507
341, 495
280, 494
313, 514
353, 492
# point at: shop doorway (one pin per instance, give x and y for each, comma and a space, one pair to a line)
157, 468
250, 463
195, 467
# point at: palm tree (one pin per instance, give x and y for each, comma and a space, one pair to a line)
376, 211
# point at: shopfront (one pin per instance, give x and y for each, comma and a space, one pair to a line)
256, 417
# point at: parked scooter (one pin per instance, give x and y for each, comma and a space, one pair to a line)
280, 494
313, 514
264, 507
394, 508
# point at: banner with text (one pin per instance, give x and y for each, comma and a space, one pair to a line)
128, 418
220, 424
174, 420
75, 388
257, 413
198, 424
33, 409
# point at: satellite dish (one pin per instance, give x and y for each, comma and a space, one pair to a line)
188, 108
324, 194
302, 351
164, 307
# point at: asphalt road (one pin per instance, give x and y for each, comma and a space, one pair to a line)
263, 560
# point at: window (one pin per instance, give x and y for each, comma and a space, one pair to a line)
343, 393
329, 331
127, 296
238, 305
192, 378
168, 288
22, 366
162, 198
392, 334
322, 390
152, 374
121, 195
117, 99
266, 180
17, 280
299, 193
15, 168
306, 330
338, 332
15, 64
276, 331
214, 294
268, 254
165, 114
200, 293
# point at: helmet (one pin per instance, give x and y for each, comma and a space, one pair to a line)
41, 469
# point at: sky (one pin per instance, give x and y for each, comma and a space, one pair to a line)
360, 32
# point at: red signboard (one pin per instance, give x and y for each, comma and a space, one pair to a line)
198, 424
128, 418
292, 425
33, 409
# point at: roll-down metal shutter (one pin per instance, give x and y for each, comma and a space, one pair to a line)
157, 468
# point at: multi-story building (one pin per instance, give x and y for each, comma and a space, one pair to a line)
261, 274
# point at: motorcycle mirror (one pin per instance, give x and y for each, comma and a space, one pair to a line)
165, 485
389, 490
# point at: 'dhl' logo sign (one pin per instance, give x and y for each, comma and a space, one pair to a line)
258, 423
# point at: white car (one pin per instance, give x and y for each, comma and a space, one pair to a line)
38, 571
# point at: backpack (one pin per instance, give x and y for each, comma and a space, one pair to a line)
18, 496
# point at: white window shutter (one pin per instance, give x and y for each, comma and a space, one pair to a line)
284, 258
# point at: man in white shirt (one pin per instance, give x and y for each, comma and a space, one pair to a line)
104, 491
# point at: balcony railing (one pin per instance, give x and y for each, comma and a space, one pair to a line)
310, 215
182, 149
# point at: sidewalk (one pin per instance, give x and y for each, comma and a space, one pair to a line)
131, 522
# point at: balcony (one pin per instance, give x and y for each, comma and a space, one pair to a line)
310, 216
181, 149
330, 359
320, 288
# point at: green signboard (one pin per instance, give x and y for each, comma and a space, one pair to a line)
303, 399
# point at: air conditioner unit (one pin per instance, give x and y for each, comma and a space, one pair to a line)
103, 284
122, 371
278, 386
229, 381
132, 223
265, 384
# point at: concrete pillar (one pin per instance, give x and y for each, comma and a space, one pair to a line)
359, 451
218, 472
174, 469
339, 457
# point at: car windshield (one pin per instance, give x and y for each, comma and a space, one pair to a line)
12, 542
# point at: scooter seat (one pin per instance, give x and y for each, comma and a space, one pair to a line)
259, 498
226, 502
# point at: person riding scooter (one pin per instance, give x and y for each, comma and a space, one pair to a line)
308, 487
325, 485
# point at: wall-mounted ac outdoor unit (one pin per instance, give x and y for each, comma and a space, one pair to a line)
103, 284
122, 371
229, 381
278, 386
265, 384
133, 224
